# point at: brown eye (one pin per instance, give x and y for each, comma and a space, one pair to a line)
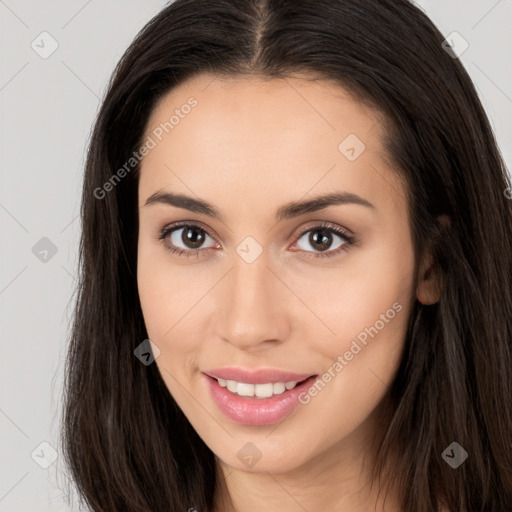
184, 239
192, 236
321, 239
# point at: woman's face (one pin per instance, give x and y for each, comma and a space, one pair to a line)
261, 280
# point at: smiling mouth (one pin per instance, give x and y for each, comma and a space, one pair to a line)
256, 403
258, 391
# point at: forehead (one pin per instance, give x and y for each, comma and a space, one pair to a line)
253, 109
255, 137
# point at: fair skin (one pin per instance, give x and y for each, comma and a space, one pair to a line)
248, 148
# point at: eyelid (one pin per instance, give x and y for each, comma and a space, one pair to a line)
345, 234
168, 229
323, 224
190, 223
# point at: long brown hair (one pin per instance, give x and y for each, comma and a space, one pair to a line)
127, 444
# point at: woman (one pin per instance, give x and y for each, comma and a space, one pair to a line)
295, 270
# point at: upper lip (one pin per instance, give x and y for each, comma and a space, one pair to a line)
261, 376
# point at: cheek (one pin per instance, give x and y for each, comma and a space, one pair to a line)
161, 303
368, 310
360, 366
154, 294
165, 290
170, 297
367, 297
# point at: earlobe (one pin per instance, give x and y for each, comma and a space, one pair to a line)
431, 286
430, 276
430, 283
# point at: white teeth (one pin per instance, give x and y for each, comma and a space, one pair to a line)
279, 388
262, 390
258, 390
245, 389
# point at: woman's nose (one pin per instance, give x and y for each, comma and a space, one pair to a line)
253, 304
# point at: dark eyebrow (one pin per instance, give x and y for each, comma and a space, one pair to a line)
288, 211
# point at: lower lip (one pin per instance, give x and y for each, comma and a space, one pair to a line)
257, 411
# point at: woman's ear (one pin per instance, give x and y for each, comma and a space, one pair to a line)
430, 277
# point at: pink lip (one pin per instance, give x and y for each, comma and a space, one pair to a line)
257, 411
262, 376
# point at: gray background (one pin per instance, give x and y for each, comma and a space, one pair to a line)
47, 109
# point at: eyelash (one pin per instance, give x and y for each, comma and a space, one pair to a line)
348, 239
